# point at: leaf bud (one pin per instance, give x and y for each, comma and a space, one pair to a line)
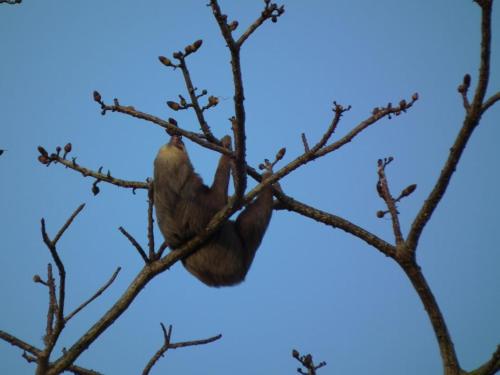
233, 25
44, 159
165, 61
173, 105
467, 80
97, 97
42, 151
408, 190
37, 279
213, 100
280, 154
197, 45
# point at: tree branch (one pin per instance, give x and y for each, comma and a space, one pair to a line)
491, 100
238, 120
14, 341
95, 296
469, 124
168, 345
491, 367
446, 347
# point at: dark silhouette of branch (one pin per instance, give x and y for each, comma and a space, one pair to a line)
413, 272
150, 229
307, 362
168, 345
12, 2
491, 367
473, 115
14, 341
488, 103
47, 159
95, 296
194, 100
385, 194
55, 322
136, 244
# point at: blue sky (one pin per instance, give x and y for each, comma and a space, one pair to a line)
311, 288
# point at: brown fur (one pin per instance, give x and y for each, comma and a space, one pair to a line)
184, 206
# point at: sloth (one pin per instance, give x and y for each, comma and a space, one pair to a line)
184, 205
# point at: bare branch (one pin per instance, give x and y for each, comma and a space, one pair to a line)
238, 120
136, 244
161, 249
52, 308
96, 294
167, 345
491, 100
67, 224
385, 194
51, 244
86, 172
14, 341
288, 203
446, 347
194, 101
271, 11
307, 362
469, 124
170, 127
150, 230
491, 367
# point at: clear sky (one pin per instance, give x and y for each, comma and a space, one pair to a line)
311, 287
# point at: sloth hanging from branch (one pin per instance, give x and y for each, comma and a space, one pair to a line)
184, 206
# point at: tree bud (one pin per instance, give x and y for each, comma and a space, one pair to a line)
213, 101
408, 190
42, 151
165, 61
173, 105
97, 97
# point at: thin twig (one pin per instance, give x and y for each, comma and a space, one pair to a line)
268, 13
167, 345
52, 308
289, 203
86, 172
238, 120
67, 223
469, 124
150, 230
491, 367
194, 101
136, 244
172, 129
385, 194
490, 101
14, 341
96, 294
